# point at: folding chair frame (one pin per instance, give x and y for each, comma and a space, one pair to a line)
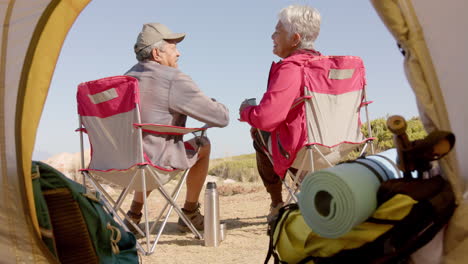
114, 206
294, 188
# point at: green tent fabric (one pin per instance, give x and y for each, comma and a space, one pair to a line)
98, 221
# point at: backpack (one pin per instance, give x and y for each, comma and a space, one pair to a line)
74, 224
410, 213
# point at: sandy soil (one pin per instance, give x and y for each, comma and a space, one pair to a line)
246, 239
243, 209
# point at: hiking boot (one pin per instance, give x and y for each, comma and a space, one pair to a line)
136, 218
195, 217
274, 210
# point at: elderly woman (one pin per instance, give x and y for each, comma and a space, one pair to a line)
293, 41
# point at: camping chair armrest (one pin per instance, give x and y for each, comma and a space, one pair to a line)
364, 103
168, 130
82, 129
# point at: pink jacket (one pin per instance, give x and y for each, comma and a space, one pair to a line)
274, 113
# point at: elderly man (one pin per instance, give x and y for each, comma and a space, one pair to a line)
293, 41
168, 96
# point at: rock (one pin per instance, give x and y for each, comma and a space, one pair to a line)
211, 178
229, 181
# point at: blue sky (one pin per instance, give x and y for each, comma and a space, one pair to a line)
227, 52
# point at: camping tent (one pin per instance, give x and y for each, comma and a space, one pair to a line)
32, 36
430, 33
33, 32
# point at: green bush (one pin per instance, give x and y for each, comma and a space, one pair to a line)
384, 138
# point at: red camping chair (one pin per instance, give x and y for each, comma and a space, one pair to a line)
109, 113
334, 94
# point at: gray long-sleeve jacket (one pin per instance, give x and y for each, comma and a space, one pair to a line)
167, 97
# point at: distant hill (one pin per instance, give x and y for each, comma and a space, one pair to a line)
240, 168
68, 163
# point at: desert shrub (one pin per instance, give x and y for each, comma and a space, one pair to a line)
241, 168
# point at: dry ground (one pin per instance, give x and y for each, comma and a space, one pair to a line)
246, 239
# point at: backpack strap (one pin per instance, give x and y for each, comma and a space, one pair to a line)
282, 215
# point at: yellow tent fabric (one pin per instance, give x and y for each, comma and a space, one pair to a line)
32, 35
432, 33
402, 21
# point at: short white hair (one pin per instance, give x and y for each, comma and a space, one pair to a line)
146, 53
304, 20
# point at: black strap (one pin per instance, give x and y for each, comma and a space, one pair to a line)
381, 167
382, 221
391, 162
376, 173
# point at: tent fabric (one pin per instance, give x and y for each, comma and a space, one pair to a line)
435, 53
32, 35
448, 54
401, 19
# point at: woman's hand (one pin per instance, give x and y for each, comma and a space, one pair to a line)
243, 105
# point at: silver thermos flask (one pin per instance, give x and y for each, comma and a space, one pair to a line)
211, 225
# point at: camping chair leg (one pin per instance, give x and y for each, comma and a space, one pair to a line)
369, 129
124, 193
178, 210
298, 173
120, 200
175, 195
363, 150
116, 204
121, 197
291, 194
107, 197
293, 189
80, 127
145, 209
182, 215
109, 202
295, 181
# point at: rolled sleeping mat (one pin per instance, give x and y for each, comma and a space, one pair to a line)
334, 200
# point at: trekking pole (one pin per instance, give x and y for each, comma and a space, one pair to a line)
397, 125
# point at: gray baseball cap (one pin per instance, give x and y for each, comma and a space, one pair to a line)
151, 33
